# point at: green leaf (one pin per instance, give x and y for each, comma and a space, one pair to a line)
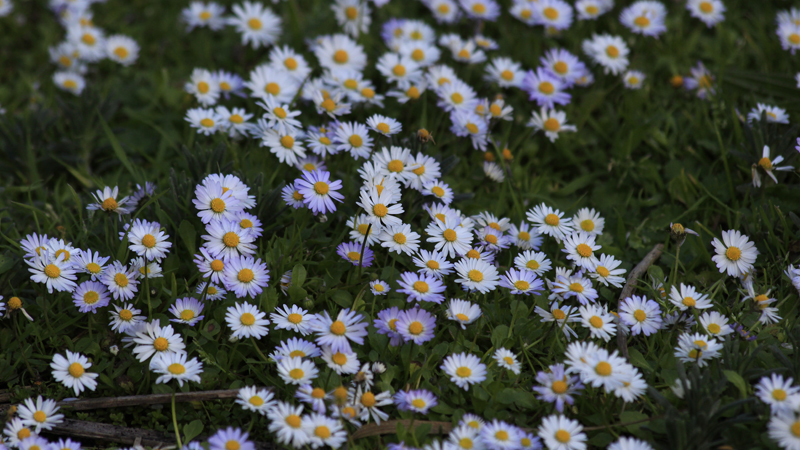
421, 431
499, 335
633, 416
638, 360
188, 235
192, 429
342, 298
298, 275
737, 381
297, 293
6, 262
118, 150
506, 397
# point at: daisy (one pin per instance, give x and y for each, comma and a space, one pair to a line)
386, 323
697, 348
550, 221
432, 263
254, 399
536, 262
246, 321
206, 120
416, 325
785, 430
701, 80
687, 297
481, 9
293, 318
245, 276
106, 200
580, 247
89, 41
338, 52
352, 253
465, 438
363, 228
380, 208
234, 121
633, 387
464, 369
209, 266
146, 239
789, 34
230, 438
319, 191
297, 371
175, 366
226, 240
561, 316
286, 421
331, 105
203, 14
611, 52
384, 125
605, 369
17, 431
607, 273
419, 401
522, 282
576, 286
399, 69
295, 348
463, 312
186, 310
121, 281
633, 79
33, 244
641, 314
476, 275
552, 14
472, 125
400, 239
500, 435
212, 293
273, 86
544, 88
379, 287
354, 17
125, 318
121, 49
89, 263
427, 169
507, 360
774, 114
322, 430
768, 166
561, 433
645, 17
444, 11
354, 138
343, 363
563, 64
257, 24
202, 85
369, 404
472, 421
71, 371
421, 53
557, 387
456, 96
711, 12
336, 334
735, 254
40, 414
314, 396
287, 147
66, 444
781, 396
599, 321
153, 339
89, 296
491, 239
715, 324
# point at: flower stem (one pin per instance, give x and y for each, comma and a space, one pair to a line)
175, 423
673, 280
255, 344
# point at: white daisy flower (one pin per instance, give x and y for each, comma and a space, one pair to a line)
353, 16
146, 239
552, 14
125, 318
339, 52
427, 169
16, 431
293, 318
476, 275
688, 297
89, 296
293, 63
226, 240
439, 190
550, 221
589, 221
592, 9
337, 334
493, 171
343, 363
245, 276
507, 360
203, 14
175, 366
186, 310
607, 273
782, 397
463, 312
611, 52
258, 25
202, 85
246, 321
106, 200
537, 262
715, 324
39, 415
645, 17
353, 137
735, 253
53, 272
322, 430
297, 370
384, 125
154, 340
286, 422
633, 79
88, 40
227, 439
580, 247
71, 371
481, 9
90, 263
400, 239
599, 321
711, 12
641, 314
432, 263
562, 316
251, 398
697, 348
379, 287
206, 120
464, 369
122, 49
235, 121
785, 428
268, 83
465, 437
380, 208
69, 81
768, 166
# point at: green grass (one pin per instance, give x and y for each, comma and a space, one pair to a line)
643, 159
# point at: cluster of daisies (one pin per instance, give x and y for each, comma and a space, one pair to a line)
85, 43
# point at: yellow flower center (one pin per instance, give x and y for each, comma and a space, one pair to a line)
149, 241
245, 275
463, 372
23, 433
176, 369
796, 429
546, 87
321, 187
794, 38
733, 253
205, 15
532, 264
76, 370
247, 319
121, 52
522, 285
603, 369
501, 435
318, 393
256, 401
473, 254
438, 191
208, 123
230, 239
294, 318
765, 163
121, 279
602, 271
640, 315
475, 275
378, 287
563, 436
368, 92
254, 24
472, 128
187, 315
368, 399
576, 287
492, 239
432, 265
508, 360
109, 204
558, 314
126, 315
507, 75
559, 387
293, 420
296, 374
779, 394
235, 118
39, 416
339, 358
462, 317
225, 86
399, 70
449, 235
65, 61
713, 328
88, 39
415, 328
328, 104
465, 443
290, 63
161, 344
356, 141
338, 328
479, 8
380, 210
592, 10
217, 205
689, 301
52, 271
217, 265
596, 322
551, 13
322, 431
394, 165
612, 51
341, 56
421, 286
584, 250
91, 297
642, 22
287, 141
351, 12
212, 290
552, 220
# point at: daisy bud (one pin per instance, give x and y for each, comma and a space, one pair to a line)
340, 395
14, 303
507, 155
488, 156
114, 350
676, 81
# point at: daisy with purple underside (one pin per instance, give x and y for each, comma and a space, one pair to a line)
319, 192
337, 334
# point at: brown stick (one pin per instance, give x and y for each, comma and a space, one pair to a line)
390, 427
150, 399
630, 285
